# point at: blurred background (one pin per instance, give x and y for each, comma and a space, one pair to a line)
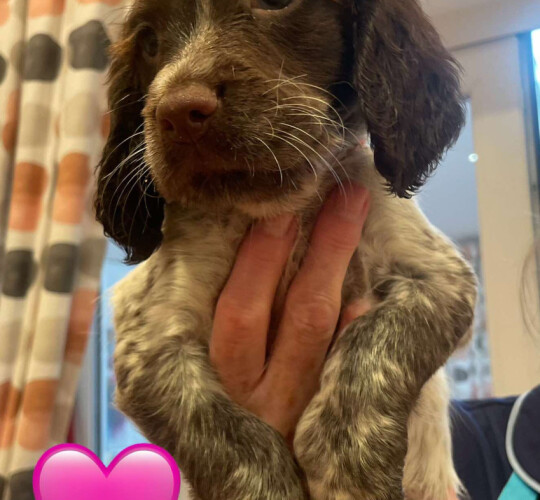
56, 268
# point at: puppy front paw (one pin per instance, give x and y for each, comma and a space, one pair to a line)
251, 461
356, 458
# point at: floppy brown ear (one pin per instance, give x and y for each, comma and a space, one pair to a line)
409, 89
127, 203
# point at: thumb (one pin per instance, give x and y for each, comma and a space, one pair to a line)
356, 309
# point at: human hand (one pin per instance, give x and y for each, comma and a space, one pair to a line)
279, 389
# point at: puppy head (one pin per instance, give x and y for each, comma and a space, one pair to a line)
250, 103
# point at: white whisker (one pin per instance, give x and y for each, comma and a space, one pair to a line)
303, 143
300, 151
338, 162
275, 158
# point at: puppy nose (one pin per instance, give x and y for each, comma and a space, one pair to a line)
184, 115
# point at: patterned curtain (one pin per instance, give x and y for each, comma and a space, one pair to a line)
53, 60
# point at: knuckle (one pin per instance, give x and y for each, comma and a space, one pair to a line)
239, 324
341, 243
261, 252
236, 317
267, 256
342, 237
315, 321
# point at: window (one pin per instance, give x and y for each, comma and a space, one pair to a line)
536, 57
116, 432
533, 317
536, 70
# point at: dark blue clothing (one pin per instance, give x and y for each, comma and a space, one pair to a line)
523, 439
495, 438
478, 433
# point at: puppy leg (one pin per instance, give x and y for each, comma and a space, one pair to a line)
166, 385
429, 468
352, 440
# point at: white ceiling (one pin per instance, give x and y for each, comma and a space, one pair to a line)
439, 7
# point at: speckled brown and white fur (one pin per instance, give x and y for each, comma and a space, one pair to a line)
378, 428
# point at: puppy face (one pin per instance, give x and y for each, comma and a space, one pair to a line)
238, 112
251, 102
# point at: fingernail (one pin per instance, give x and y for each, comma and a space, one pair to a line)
350, 202
277, 226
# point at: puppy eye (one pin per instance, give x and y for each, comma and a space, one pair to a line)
270, 4
149, 42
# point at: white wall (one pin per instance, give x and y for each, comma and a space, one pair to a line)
441, 7
479, 21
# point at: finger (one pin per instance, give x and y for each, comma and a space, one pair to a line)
313, 304
239, 336
354, 310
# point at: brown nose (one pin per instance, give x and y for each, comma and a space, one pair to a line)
184, 114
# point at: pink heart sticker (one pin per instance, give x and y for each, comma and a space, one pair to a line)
140, 472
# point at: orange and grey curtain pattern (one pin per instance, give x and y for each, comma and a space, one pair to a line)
53, 121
